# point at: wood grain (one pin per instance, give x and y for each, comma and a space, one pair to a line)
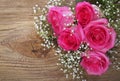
21, 56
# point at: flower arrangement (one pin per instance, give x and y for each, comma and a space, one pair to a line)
81, 35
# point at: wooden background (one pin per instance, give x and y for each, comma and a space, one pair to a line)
21, 57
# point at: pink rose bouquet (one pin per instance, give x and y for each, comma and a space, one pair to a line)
82, 36
90, 29
96, 32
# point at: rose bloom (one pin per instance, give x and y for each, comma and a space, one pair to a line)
96, 64
98, 12
58, 17
99, 36
71, 38
84, 13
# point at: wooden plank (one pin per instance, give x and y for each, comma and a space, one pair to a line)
21, 56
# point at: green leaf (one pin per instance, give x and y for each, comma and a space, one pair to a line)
78, 1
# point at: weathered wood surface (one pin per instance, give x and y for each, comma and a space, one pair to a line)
21, 56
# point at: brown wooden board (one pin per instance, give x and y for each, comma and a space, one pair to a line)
21, 56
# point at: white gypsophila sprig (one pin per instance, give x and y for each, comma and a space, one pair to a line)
110, 10
70, 63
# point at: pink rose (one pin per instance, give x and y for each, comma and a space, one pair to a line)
98, 12
58, 17
71, 38
99, 36
84, 13
96, 64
